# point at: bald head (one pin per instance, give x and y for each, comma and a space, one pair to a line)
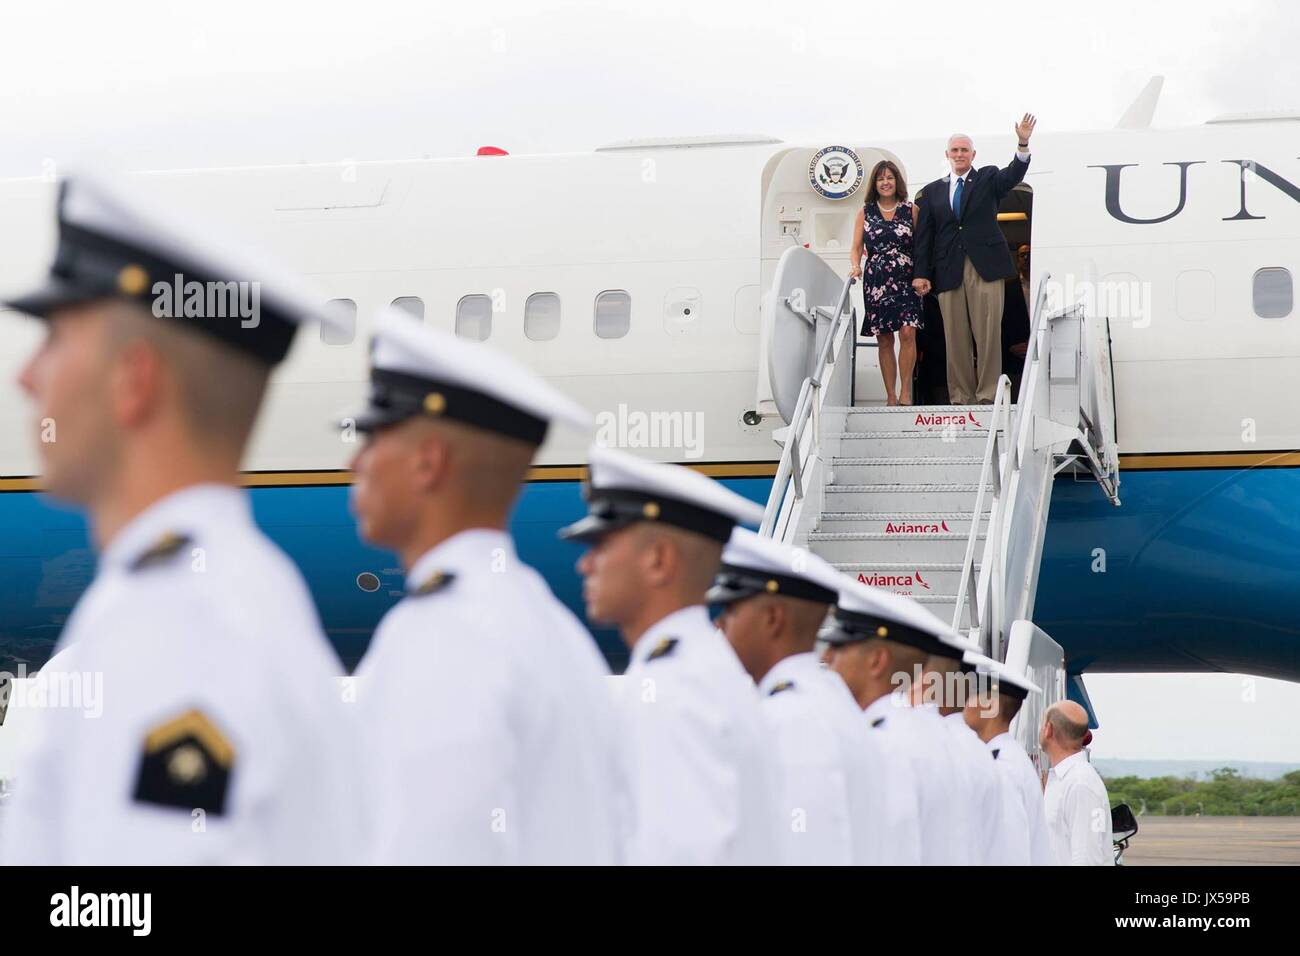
1068, 723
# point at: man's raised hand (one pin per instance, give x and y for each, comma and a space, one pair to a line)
1025, 128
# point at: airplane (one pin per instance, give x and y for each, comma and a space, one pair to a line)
634, 277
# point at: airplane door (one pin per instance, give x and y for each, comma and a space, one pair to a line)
811, 196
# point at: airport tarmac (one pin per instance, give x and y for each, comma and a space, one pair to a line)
1215, 841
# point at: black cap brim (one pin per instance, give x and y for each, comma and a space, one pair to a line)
56, 294
592, 528
727, 594
835, 635
372, 419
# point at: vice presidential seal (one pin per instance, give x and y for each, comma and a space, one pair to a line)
835, 172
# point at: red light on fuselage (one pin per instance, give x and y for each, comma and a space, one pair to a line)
492, 151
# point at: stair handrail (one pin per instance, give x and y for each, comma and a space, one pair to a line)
990, 474
1000, 464
791, 468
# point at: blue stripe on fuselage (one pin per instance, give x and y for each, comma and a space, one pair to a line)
1201, 568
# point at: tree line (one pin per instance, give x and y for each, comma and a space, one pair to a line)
1224, 793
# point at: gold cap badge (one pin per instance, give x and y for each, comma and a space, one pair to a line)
132, 280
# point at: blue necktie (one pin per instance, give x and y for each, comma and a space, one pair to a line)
956, 197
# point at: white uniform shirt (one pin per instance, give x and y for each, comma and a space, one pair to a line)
994, 846
1078, 813
217, 622
905, 799
1019, 770
946, 817
831, 801
490, 731
702, 776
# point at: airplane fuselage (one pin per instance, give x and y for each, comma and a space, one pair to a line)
633, 279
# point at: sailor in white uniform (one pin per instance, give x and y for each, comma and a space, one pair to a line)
1011, 838
832, 801
701, 774
946, 684
220, 735
489, 726
879, 643
1011, 689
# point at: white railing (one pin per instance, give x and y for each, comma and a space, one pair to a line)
985, 594
991, 474
801, 447
1065, 393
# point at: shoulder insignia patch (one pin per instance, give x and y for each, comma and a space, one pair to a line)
662, 649
161, 551
779, 688
187, 762
432, 584
878, 722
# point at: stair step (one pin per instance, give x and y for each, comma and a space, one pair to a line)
915, 418
860, 471
898, 522
938, 444
938, 602
896, 496
941, 578
864, 546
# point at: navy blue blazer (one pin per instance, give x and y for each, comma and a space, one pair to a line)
943, 241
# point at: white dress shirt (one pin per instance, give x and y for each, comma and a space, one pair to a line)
831, 800
1078, 813
994, 845
948, 832
1019, 770
905, 799
490, 732
702, 776
217, 622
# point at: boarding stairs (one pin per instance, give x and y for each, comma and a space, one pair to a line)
946, 504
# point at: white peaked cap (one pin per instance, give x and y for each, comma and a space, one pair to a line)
624, 489
418, 370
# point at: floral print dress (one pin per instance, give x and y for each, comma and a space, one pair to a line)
887, 294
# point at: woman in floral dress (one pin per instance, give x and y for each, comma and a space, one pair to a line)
883, 232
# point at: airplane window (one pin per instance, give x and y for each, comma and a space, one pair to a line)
542, 316
474, 317
613, 314
412, 305
340, 325
1272, 293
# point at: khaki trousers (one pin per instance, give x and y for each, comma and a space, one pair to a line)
972, 328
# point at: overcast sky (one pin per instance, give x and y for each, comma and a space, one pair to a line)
166, 84
156, 85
